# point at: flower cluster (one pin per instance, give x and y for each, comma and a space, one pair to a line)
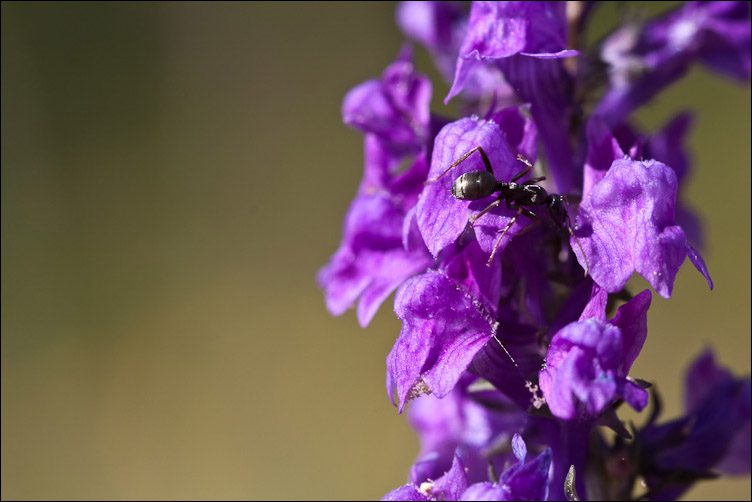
509, 236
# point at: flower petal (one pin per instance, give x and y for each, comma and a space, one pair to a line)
452, 484
443, 328
441, 217
394, 107
407, 493
626, 224
632, 321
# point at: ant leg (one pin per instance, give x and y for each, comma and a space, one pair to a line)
521, 210
492, 205
532, 216
503, 233
522, 173
486, 163
473, 218
534, 180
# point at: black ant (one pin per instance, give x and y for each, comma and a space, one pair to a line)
476, 185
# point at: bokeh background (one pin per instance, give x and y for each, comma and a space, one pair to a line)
173, 175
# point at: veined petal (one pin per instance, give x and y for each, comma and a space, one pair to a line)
588, 361
394, 107
441, 217
443, 327
626, 225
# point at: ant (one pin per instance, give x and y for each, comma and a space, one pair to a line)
476, 185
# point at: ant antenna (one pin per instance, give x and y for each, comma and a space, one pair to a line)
537, 401
507, 353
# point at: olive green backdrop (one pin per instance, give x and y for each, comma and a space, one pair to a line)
173, 175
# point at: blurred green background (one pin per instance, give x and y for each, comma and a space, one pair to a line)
173, 175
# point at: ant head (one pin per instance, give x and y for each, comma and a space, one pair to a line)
474, 185
557, 208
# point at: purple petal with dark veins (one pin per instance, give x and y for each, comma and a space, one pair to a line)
468, 269
588, 361
574, 373
626, 225
443, 328
441, 217
394, 107
395, 267
371, 261
499, 30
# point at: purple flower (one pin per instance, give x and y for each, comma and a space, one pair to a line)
644, 60
498, 30
381, 246
512, 368
668, 146
447, 316
469, 421
588, 361
440, 27
497, 317
395, 107
431, 23
527, 40
603, 149
713, 435
441, 217
522, 481
450, 486
408, 492
375, 255
626, 225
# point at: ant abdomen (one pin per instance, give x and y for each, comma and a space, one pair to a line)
474, 185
